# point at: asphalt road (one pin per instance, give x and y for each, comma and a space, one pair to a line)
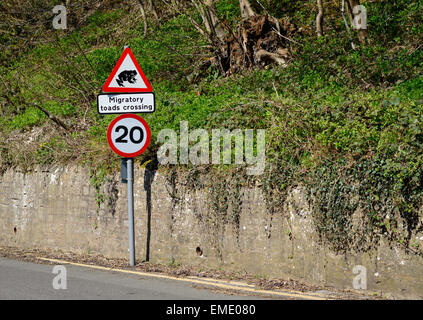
23, 280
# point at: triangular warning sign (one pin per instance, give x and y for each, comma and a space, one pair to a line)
127, 76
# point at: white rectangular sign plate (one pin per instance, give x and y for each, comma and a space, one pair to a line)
112, 103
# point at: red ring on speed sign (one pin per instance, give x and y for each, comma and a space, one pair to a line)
112, 144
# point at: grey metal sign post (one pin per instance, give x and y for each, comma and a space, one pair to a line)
130, 180
129, 136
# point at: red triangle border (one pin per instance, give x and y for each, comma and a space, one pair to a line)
106, 87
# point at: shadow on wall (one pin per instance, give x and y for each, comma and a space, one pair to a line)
149, 173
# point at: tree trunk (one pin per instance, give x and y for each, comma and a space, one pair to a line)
319, 19
213, 20
144, 17
153, 9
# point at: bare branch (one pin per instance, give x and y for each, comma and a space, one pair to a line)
57, 121
153, 9
319, 19
144, 17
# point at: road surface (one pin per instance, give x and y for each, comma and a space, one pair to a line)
24, 280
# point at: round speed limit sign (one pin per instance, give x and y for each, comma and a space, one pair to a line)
128, 135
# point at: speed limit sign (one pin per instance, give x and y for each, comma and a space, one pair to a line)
128, 135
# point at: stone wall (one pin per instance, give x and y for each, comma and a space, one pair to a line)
55, 208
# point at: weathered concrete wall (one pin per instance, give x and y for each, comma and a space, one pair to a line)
55, 208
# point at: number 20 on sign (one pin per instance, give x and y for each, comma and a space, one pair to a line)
128, 135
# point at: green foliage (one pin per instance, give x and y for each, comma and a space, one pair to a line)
279, 8
387, 192
29, 118
166, 57
97, 180
47, 151
229, 10
99, 18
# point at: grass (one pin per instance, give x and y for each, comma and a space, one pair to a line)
349, 102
